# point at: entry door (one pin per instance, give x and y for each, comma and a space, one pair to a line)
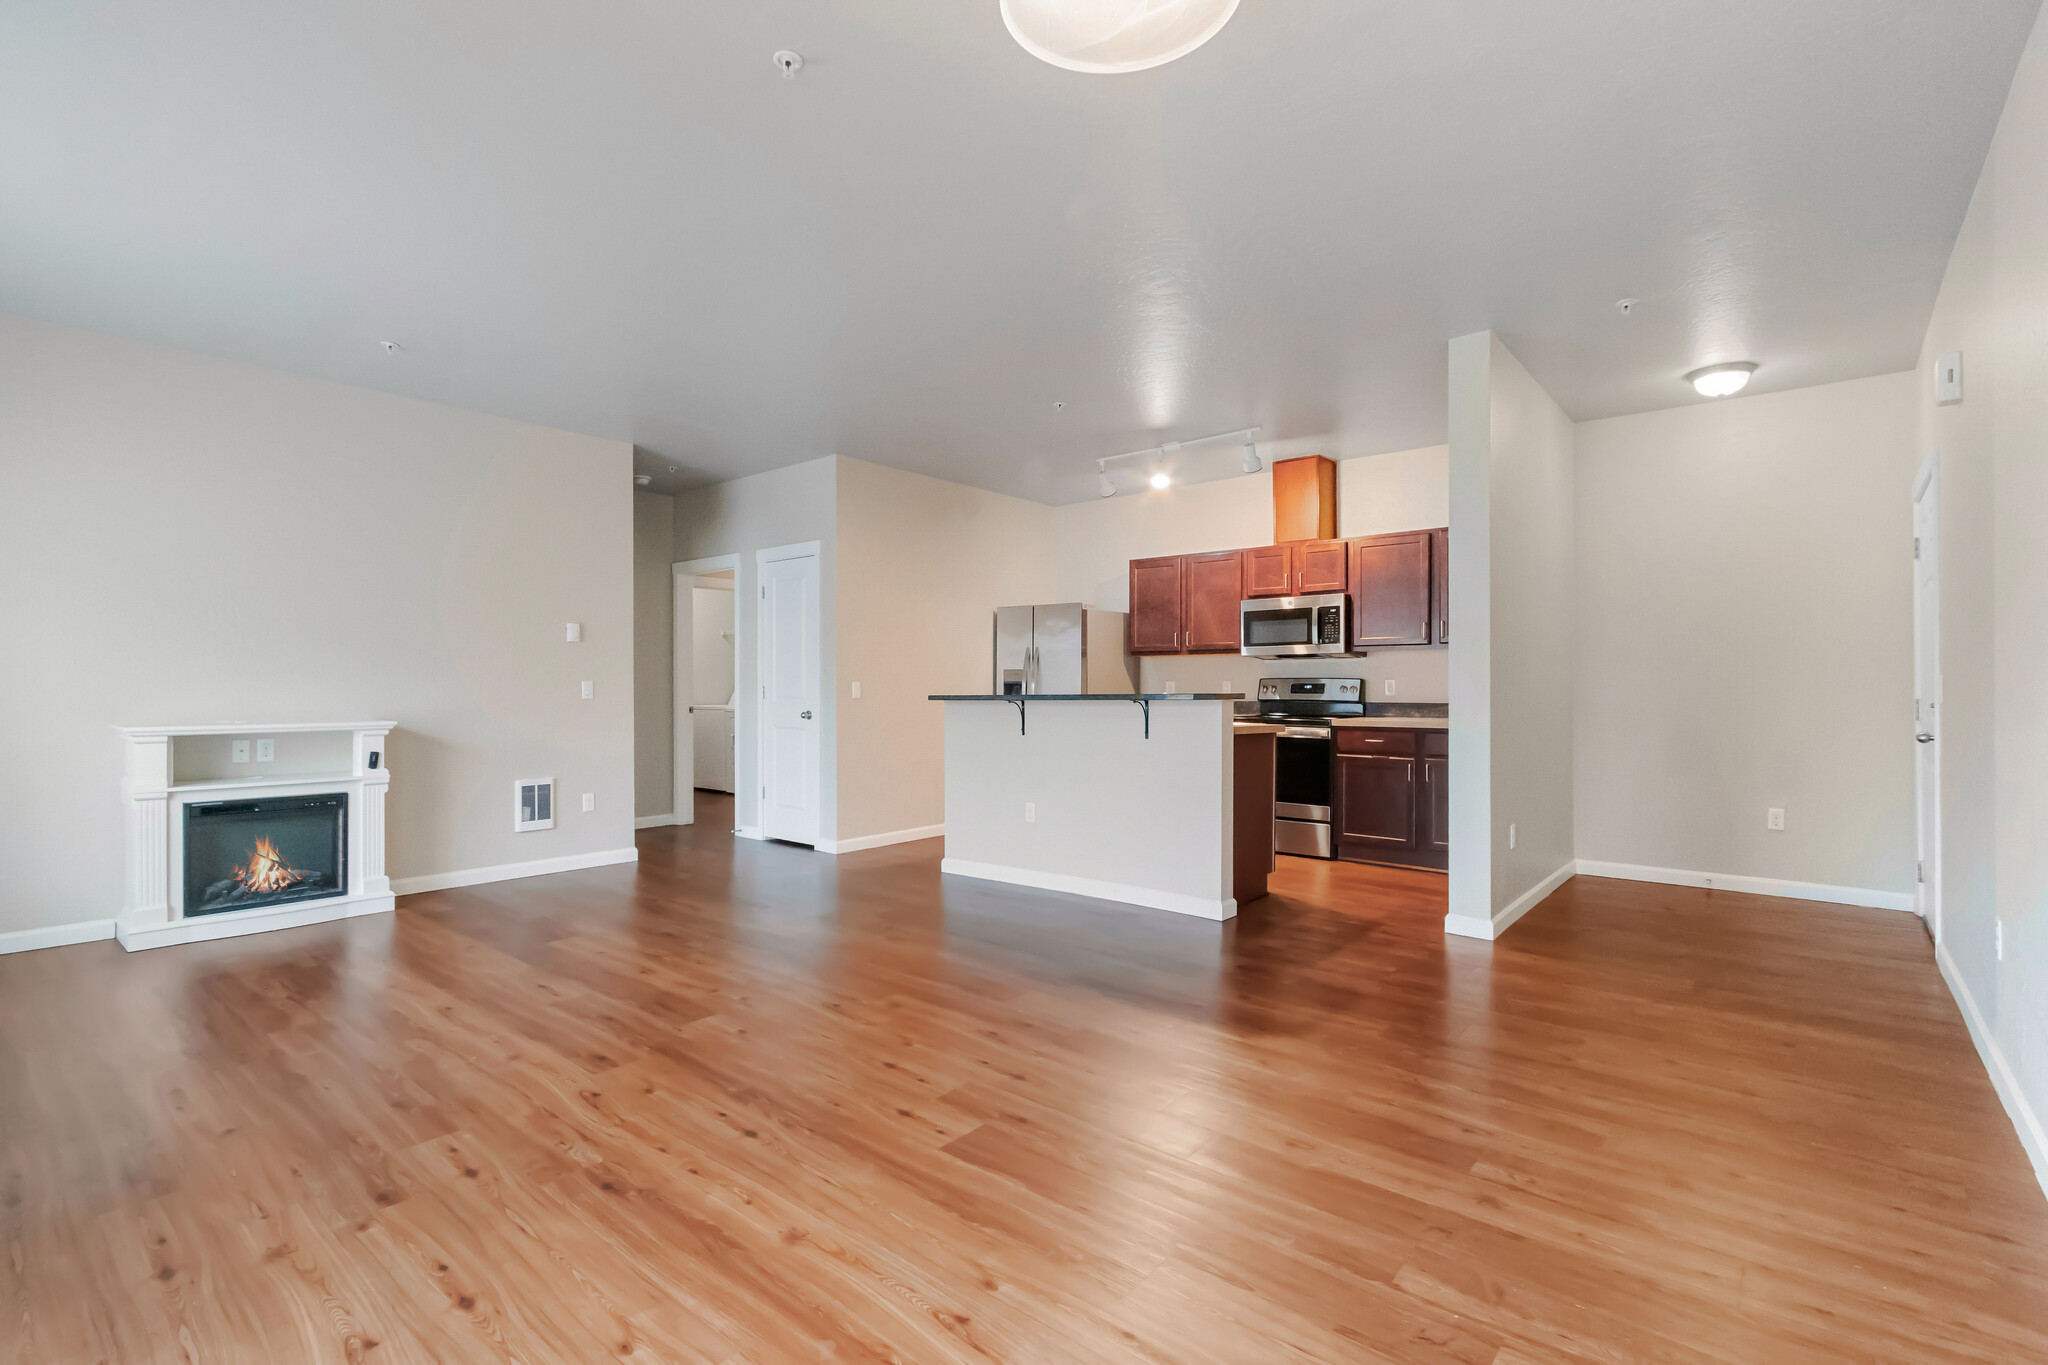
790, 699
1927, 690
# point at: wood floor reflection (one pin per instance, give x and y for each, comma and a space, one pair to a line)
750, 1103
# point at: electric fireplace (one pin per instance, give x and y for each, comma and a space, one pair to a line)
272, 850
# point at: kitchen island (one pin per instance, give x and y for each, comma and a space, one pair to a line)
1129, 797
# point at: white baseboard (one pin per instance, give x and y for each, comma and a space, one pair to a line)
1200, 906
655, 821
1754, 886
505, 872
2028, 1124
201, 928
894, 836
56, 936
1471, 926
749, 832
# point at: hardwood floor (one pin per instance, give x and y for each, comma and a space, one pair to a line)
750, 1103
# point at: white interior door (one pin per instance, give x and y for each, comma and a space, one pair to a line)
791, 689
1927, 689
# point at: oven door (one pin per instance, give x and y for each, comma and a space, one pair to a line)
1303, 759
1292, 627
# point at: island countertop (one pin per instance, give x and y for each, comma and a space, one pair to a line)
1086, 696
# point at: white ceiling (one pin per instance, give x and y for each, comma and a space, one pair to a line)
619, 218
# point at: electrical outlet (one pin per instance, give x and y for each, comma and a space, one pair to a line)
1390, 687
266, 750
589, 691
575, 632
1774, 818
1948, 378
238, 751
589, 802
1168, 687
1511, 836
1030, 812
856, 691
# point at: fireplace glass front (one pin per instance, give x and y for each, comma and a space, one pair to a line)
270, 851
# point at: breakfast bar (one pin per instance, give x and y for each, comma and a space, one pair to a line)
1123, 796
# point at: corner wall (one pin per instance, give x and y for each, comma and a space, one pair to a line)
192, 540
654, 762
1512, 455
1994, 604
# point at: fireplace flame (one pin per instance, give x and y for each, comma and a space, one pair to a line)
267, 870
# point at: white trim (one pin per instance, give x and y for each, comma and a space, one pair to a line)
682, 734
1470, 926
1202, 907
1753, 886
505, 872
2024, 1120
749, 832
656, 821
382, 727
56, 936
894, 836
235, 923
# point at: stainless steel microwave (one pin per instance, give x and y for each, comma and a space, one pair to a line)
1294, 627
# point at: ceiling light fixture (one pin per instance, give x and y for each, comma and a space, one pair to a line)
1158, 455
642, 480
1718, 381
1105, 485
788, 63
1162, 479
1111, 37
1252, 463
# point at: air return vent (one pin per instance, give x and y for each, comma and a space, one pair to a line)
533, 803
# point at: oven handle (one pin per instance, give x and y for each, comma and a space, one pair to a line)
1304, 732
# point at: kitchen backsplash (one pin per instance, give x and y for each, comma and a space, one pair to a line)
1419, 674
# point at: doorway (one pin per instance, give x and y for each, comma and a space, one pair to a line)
792, 694
706, 720
1927, 691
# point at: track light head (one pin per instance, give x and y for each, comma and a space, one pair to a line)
1105, 485
1252, 463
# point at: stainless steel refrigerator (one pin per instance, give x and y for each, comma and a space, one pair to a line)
1060, 648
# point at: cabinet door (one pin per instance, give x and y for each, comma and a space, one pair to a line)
1390, 603
1215, 590
1319, 566
1375, 803
1269, 571
1440, 582
1156, 610
1436, 805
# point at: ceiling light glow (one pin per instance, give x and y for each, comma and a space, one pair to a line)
1162, 479
1718, 381
1110, 37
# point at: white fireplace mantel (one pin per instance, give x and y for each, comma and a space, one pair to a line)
168, 765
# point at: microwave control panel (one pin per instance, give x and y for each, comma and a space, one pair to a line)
1329, 625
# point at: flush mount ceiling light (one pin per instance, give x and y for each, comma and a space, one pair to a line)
1110, 37
1718, 381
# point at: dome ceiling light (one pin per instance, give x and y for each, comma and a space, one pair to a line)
1718, 381
1110, 37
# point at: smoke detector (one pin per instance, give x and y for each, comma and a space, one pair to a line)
789, 63
642, 480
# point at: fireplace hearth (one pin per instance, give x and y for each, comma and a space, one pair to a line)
269, 851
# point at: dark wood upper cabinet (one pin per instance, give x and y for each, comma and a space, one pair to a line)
1440, 582
1320, 566
1214, 585
1269, 571
1390, 599
1157, 601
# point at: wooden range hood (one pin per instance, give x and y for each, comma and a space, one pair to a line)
1304, 499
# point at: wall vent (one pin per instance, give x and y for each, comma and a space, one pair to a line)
533, 803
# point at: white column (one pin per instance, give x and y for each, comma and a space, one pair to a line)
145, 786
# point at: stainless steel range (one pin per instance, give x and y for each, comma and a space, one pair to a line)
1305, 756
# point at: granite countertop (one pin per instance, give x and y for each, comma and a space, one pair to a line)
1087, 696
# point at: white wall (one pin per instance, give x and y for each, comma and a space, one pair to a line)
1511, 683
1994, 602
191, 540
922, 566
1401, 491
786, 506
1745, 636
653, 670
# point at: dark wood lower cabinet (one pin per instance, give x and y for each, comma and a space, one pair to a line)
1391, 797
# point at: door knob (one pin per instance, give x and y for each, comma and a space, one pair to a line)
1924, 738
807, 715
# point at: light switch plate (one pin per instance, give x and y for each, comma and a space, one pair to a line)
575, 632
856, 691
238, 751
266, 750
589, 691
1948, 378
589, 802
